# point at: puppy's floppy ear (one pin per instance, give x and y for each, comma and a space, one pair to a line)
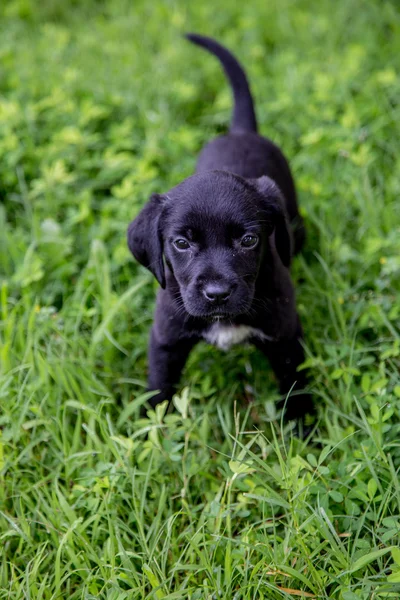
275, 208
145, 238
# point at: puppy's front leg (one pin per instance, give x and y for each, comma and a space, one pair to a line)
167, 357
285, 356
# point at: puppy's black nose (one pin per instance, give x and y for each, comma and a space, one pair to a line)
217, 293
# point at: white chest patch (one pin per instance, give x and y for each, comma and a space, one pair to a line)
225, 336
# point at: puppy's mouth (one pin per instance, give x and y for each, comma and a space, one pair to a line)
215, 315
224, 312
220, 315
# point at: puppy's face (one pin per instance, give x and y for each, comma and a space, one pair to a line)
214, 231
213, 242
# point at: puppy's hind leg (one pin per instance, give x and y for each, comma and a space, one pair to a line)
285, 356
166, 361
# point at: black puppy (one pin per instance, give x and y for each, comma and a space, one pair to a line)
227, 245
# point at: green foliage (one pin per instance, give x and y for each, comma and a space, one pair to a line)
101, 104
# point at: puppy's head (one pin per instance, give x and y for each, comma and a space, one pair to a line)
216, 232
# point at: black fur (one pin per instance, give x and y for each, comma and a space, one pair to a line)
220, 245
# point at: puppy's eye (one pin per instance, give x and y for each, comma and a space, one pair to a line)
181, 244
249, 241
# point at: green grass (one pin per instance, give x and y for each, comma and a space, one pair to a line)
103, 103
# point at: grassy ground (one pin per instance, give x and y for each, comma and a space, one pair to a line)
101, 104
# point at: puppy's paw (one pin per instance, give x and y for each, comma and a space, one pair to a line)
299, 407
155, 400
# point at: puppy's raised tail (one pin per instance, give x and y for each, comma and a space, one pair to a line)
243, 117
